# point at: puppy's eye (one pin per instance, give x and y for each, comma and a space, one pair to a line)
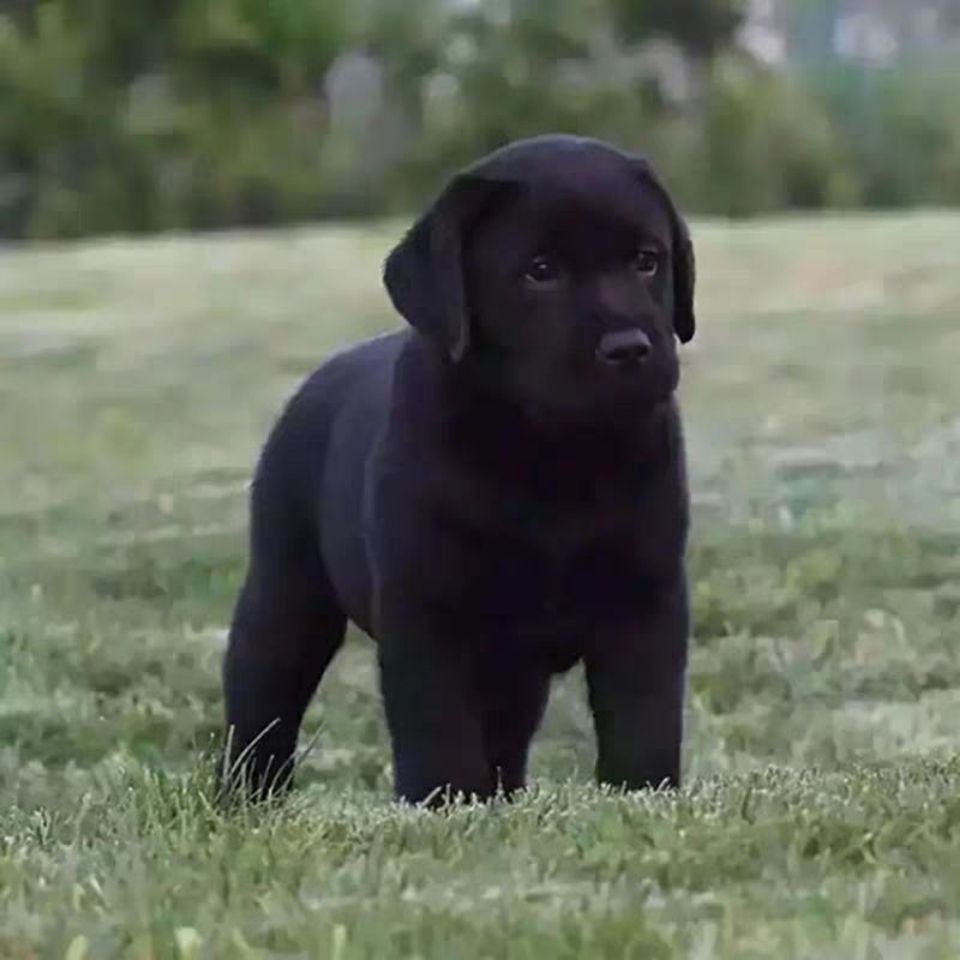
542, 271
647, 262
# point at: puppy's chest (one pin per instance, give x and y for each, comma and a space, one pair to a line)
547, 596
561, 524
549, 566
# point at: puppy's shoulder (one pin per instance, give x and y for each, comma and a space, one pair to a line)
361, 367
351, 384
674, 422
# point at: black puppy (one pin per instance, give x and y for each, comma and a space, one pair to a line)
494, 494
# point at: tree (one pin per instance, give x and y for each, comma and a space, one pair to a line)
702, 27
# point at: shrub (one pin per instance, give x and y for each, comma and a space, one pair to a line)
141, 115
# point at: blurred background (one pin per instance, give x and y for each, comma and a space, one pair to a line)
145, 115
139, 376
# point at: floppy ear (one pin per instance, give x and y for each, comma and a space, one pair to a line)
683, 263
424, 273
684, 280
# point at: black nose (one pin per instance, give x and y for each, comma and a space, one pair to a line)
624, 346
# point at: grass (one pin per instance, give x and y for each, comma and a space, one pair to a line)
821, 816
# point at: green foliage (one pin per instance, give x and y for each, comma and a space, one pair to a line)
764, 144
143, 115
901, 129
703, 26
147, 115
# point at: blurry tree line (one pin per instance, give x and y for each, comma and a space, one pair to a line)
140, 115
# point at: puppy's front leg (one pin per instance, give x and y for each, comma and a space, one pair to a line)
435, 722
636, 676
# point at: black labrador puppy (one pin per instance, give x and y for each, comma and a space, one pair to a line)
494, 494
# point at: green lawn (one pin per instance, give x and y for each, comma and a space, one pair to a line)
821, 816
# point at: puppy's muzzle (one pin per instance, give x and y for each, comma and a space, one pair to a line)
624, 348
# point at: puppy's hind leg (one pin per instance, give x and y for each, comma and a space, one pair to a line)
286, 627
286, 630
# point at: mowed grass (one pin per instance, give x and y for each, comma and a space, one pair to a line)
821, 812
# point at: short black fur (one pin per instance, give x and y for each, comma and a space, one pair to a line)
494, 494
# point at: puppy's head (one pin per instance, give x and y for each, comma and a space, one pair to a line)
558, 270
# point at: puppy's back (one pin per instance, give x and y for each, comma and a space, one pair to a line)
312, 472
